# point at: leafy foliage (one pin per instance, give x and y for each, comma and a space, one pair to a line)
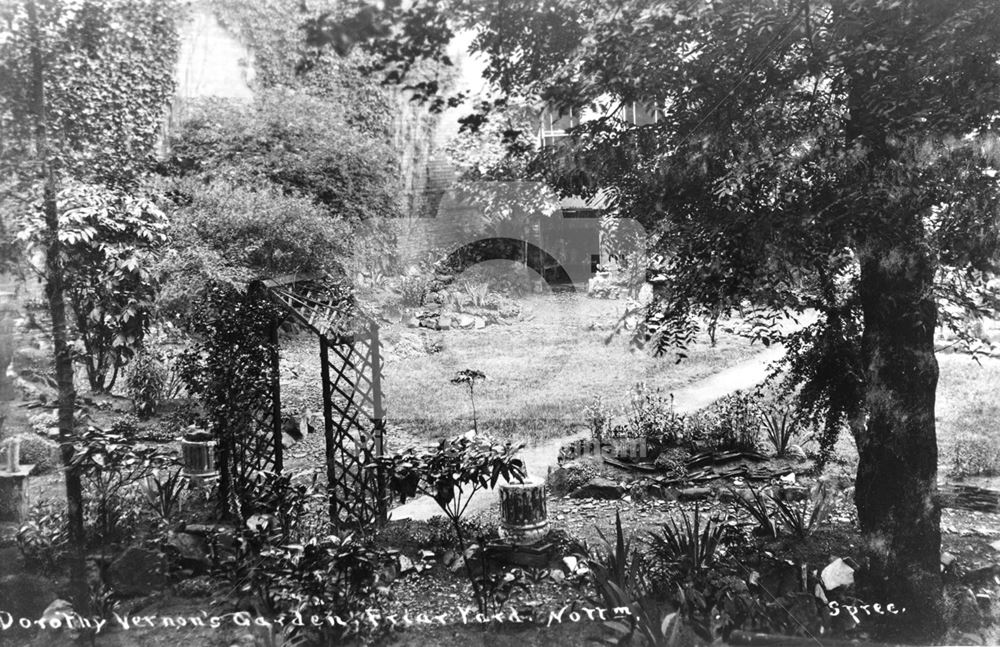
227, 231
772, 513
105, 85
165, 492
294, 142
112, 467
832, 156
694, 541
781, 425
111, 241
451, 475
284, 561
413, 291
228, 368
43, 539
145, 383
806, 517
975, 455
759, 509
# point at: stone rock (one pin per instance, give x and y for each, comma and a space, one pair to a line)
58, 610
480, 323
640, 491
796, 452
793, 493
405, 564
138, 572
571, 562
444, 322
412, 322
947, 559
465, 321
836, 574
189, 551
694, 494
995, 545
429, 322
598, 488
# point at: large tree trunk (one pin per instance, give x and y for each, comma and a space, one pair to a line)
897, 471
54, 288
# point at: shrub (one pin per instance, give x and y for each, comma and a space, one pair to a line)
569, 476
730, 424
738, 425
112, 467
759, 508
781, 425
693, 542
802, 520
38, 451
41, 423
321, 576
145, 383
413, 291
251, 230
125, 425
975, 455
43, 540
451, 474
165, 492
618, 579
295, 142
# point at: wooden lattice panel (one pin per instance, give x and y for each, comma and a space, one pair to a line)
352, 395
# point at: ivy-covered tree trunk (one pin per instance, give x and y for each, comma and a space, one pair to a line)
897, 470
55, 293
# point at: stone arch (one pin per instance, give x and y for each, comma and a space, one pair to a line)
508, 249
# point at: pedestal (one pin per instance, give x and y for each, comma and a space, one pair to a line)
14, 493
523, 511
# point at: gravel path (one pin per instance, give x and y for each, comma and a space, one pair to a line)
539, 458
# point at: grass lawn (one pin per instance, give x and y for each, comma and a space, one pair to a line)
968, 406
542, 371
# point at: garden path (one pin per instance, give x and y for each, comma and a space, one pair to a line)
539, 458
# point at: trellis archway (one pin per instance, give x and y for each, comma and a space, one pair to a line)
351, 373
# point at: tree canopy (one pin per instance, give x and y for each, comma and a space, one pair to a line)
838, 156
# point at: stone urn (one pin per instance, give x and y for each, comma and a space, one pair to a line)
198, 455
523, 511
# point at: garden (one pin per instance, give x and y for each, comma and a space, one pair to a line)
243, 403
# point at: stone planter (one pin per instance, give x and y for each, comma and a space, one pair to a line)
523, 511
198, 458
13, 484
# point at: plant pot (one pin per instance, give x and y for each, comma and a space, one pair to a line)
198, 458
523, 511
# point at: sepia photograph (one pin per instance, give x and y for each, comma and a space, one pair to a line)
499, 323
